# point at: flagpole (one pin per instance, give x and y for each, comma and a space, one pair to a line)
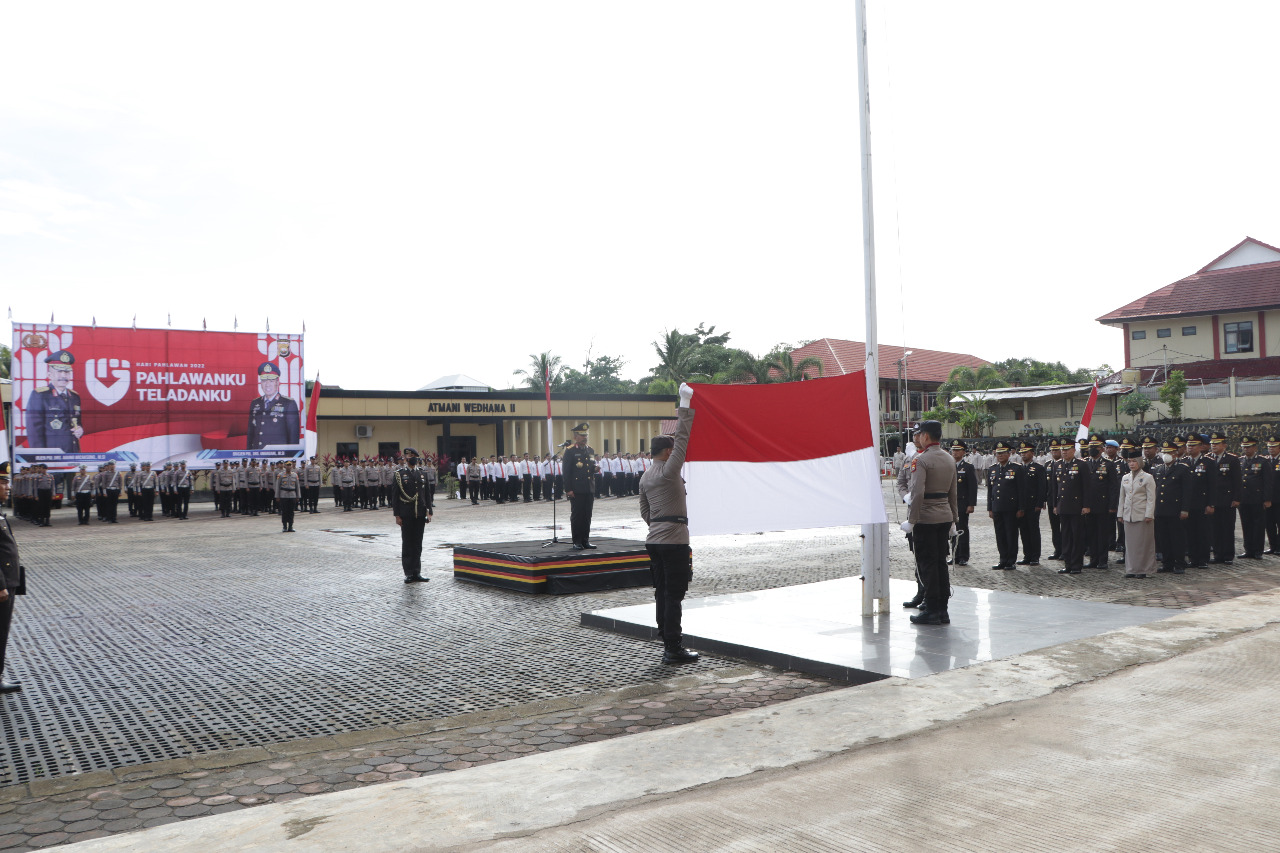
875, 537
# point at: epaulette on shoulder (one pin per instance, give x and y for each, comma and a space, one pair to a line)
42, 389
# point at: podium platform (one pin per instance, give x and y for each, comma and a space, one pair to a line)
555, 569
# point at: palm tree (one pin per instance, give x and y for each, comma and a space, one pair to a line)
676, 355
747, 367
541, 366
965, 378
790, 370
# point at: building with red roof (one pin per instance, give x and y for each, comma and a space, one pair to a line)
1228, 311
922, 371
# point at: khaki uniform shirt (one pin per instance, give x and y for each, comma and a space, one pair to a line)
933, 472
662, 491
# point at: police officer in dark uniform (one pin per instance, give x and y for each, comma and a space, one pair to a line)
413, 505
1202, 485
1173, 508
53, 411
966, 499
14, 580
580, 485
1006, 502
1074, 477
1224, 507
1035, 494
273, 418
1102, 501
1273, 512
1256, 476
1051, 471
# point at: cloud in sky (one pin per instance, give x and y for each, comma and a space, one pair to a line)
440, 187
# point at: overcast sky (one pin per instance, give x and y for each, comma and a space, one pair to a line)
443, 187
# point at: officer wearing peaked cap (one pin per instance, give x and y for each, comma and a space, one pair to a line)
1006, 503
273, 417
1102, 498
580, 468
1202, 487
1052, 471
966, 499
53, 411
1035, 496
413, 505
1228, 500
1173, 508
1273, 512
1256, 476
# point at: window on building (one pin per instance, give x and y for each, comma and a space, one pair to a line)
1188, 331
1139, 336
348, 449
1238, 337
1164, 333
606, 445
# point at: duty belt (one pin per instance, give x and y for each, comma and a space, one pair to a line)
677, 519
933, 495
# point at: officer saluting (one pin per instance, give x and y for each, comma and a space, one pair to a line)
273, 418
53, 411
580, 485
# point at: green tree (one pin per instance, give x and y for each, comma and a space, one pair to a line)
539, 366
790, 370
602, 375
1136, 405
662, 386
1172, 393
965, 378
677, 356
6, 358
748, 368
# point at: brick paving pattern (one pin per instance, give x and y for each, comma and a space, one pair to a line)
153, 656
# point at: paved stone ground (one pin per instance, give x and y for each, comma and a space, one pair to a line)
182, 668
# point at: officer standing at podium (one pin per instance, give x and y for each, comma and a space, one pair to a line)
580, 486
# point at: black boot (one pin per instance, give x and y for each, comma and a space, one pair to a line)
915, 602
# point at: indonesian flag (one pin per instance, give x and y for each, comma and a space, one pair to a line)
1083, 430
311, 436
784, 456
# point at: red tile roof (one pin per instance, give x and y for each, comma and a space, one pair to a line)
1255, 287
923, 365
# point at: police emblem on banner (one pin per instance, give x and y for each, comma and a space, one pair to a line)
34, 341
283, 348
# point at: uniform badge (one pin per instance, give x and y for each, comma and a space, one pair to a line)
34, 341
55, 424
282, 347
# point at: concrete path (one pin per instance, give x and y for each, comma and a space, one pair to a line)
1156, 737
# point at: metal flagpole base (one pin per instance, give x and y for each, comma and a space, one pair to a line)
875, 569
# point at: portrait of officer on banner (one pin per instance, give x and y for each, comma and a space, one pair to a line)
53, 413
273, 417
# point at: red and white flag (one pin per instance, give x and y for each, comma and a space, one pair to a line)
785, 456
310, 435
546, 377
1083, 430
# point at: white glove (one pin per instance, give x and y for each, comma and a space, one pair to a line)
906, 527
686, 394
951, 534
906, 499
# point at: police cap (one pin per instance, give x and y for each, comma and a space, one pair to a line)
268, 368
957, 444
1025, 446
60, 359
1003, 447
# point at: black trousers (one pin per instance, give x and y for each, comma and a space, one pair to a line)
313, 498
181, 501
44, 505
605, 487
1224, 533
1006, 524
1029, 531
931, 564
133, 497
6, 617
672, 569
1253, 525
110, 503
1073, 541
962, 538
411, 530
513, 489
475, 492
559, 486
581, 506
1273, 526
84, 500
1055, 533
462, 488
1199, 530
146, 503
526, 484
1171, 541
1098, 527
287, 508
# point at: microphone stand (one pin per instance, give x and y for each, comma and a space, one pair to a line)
554, 540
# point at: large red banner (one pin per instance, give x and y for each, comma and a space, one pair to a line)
86, 395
